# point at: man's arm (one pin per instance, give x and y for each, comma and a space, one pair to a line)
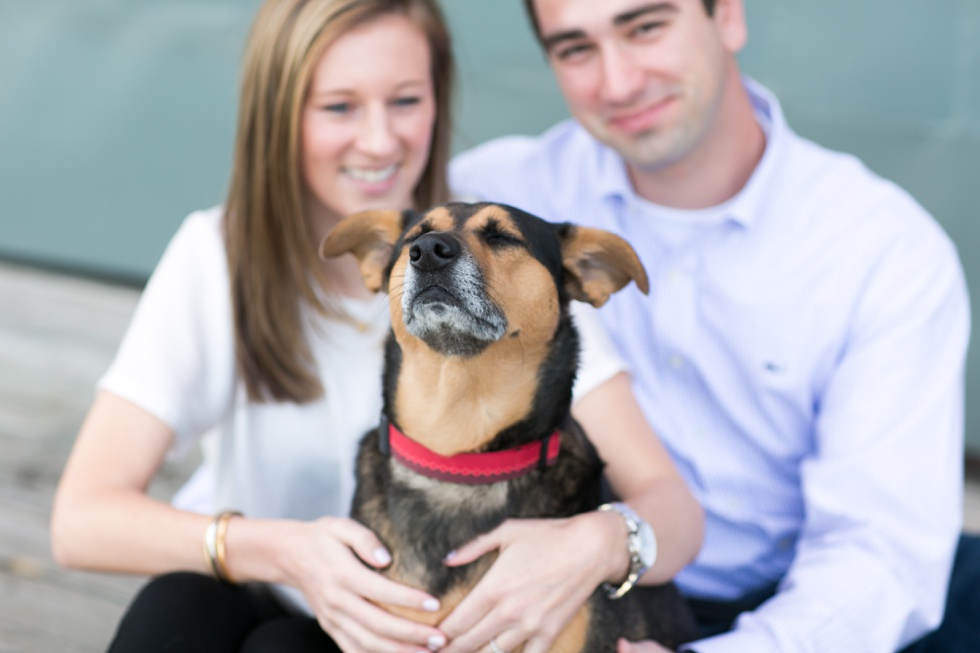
883, 486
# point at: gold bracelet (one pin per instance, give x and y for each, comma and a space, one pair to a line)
209, 547
214, 544
221, 565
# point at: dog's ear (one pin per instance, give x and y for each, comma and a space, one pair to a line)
598, 263
370, 236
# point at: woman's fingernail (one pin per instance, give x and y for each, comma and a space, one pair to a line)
451, 555
436, 642
381, 556
431, 605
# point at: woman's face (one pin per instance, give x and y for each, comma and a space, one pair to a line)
367, 121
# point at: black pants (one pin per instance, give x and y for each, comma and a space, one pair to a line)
192, 613
959, 631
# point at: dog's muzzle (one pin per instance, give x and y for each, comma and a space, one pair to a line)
445, 301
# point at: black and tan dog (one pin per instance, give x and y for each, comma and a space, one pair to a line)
477, 389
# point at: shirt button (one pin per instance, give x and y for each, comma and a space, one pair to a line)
676, 362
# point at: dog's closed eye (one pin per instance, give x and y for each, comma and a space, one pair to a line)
417, 232
496, 237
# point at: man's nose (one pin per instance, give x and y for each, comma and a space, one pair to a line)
622, 77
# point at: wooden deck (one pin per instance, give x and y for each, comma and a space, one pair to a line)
57, 335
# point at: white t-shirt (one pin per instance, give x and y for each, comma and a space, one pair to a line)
273, 460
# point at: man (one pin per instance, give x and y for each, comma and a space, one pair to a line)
802, 349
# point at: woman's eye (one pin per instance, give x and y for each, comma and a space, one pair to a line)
407, 101
339, 108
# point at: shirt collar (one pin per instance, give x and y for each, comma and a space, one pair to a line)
613, 183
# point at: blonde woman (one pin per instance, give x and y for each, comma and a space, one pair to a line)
245, 335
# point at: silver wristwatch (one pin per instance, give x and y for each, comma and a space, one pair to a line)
640, 543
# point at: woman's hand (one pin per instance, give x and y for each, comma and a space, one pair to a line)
545, 570
326, 565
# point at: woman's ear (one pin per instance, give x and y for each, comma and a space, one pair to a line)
370, 236
598, 263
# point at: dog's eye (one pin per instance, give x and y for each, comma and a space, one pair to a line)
497, 239
422, 229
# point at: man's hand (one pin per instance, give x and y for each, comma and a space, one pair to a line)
545, 570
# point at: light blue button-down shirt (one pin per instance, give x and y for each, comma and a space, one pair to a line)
801, 353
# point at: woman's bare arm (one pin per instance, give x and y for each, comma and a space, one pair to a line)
104, 520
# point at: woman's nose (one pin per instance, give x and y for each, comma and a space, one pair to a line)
376, 135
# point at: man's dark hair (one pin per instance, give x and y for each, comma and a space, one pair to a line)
709, 6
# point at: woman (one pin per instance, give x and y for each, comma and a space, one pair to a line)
244, 334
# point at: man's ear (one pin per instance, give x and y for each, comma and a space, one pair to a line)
729, 19
598, 263
370, 236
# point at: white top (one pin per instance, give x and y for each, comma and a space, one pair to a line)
276, 460
801, 354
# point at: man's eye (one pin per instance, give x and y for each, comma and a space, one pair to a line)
573, 52
647, 28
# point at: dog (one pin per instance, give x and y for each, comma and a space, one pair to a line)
479, 366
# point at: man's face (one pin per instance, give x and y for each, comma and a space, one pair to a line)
643, 76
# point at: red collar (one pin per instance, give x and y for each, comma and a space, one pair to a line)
474, 468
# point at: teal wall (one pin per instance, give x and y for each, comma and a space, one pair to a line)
116, 116
115, 121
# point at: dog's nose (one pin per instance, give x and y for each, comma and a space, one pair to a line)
433, 251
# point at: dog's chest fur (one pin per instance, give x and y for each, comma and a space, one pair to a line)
422, 519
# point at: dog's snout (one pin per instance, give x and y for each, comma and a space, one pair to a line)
433, 251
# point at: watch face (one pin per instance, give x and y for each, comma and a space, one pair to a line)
648, 546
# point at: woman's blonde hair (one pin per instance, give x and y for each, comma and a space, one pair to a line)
272, 260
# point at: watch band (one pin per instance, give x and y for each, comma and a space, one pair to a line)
633, 522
